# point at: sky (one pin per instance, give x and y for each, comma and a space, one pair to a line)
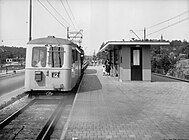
100, 20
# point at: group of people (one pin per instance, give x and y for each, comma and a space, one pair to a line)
106, 68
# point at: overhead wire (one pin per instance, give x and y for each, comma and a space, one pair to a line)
51, 14
72, 13
63, 25
168, 26
58, 12
67, 14
168, 19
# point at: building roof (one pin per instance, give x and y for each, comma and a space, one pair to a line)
51, 40
108, 45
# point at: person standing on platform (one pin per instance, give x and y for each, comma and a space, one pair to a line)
107, 63
103, 70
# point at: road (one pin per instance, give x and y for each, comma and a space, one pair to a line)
10, 83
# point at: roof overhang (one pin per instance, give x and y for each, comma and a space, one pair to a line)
110, 44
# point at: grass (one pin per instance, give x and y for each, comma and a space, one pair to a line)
12, 100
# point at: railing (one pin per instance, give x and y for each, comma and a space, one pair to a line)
85, 64
171, 77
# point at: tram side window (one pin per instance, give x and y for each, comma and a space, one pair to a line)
39, 57
56, 56
74, 56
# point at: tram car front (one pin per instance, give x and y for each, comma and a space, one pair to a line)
52, 64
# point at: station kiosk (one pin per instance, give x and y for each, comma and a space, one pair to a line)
131, 60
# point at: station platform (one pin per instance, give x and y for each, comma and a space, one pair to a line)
105, 108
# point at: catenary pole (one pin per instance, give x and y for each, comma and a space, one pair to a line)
144, 34
30, 21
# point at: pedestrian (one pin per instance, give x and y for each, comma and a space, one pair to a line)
108, 67
103, 70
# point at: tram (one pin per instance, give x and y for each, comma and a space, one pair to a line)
52, 64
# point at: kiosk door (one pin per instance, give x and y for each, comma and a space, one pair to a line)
136, 63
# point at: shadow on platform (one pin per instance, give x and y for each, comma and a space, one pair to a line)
90, 83
91, 71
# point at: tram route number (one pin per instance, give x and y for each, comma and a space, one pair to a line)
56, 74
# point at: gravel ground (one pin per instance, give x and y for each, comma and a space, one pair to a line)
28, 124
10, 109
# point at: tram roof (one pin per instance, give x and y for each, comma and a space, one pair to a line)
51, 40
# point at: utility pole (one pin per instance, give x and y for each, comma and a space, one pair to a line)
161, 37
144, 33
30, 22
67, 32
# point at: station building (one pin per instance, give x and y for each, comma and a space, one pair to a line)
131, 60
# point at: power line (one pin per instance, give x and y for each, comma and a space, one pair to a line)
67, 13
168, 26
71, 12
51, 14
58, 12
168, 19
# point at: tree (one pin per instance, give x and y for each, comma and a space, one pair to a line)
102, 55
12, 52
166, 57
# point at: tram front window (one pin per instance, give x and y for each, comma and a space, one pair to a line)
39, 57
56, 55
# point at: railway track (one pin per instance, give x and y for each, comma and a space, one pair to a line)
6, 121
42, 118
48, 129
36, 120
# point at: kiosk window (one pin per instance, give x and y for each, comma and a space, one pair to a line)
136, 57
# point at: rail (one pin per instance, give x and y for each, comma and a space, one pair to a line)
48, 129
14, 115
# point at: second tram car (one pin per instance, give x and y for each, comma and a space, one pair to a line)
52, 64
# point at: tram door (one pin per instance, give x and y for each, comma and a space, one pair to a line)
136, 63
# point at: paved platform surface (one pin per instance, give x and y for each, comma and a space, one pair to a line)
105, 108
